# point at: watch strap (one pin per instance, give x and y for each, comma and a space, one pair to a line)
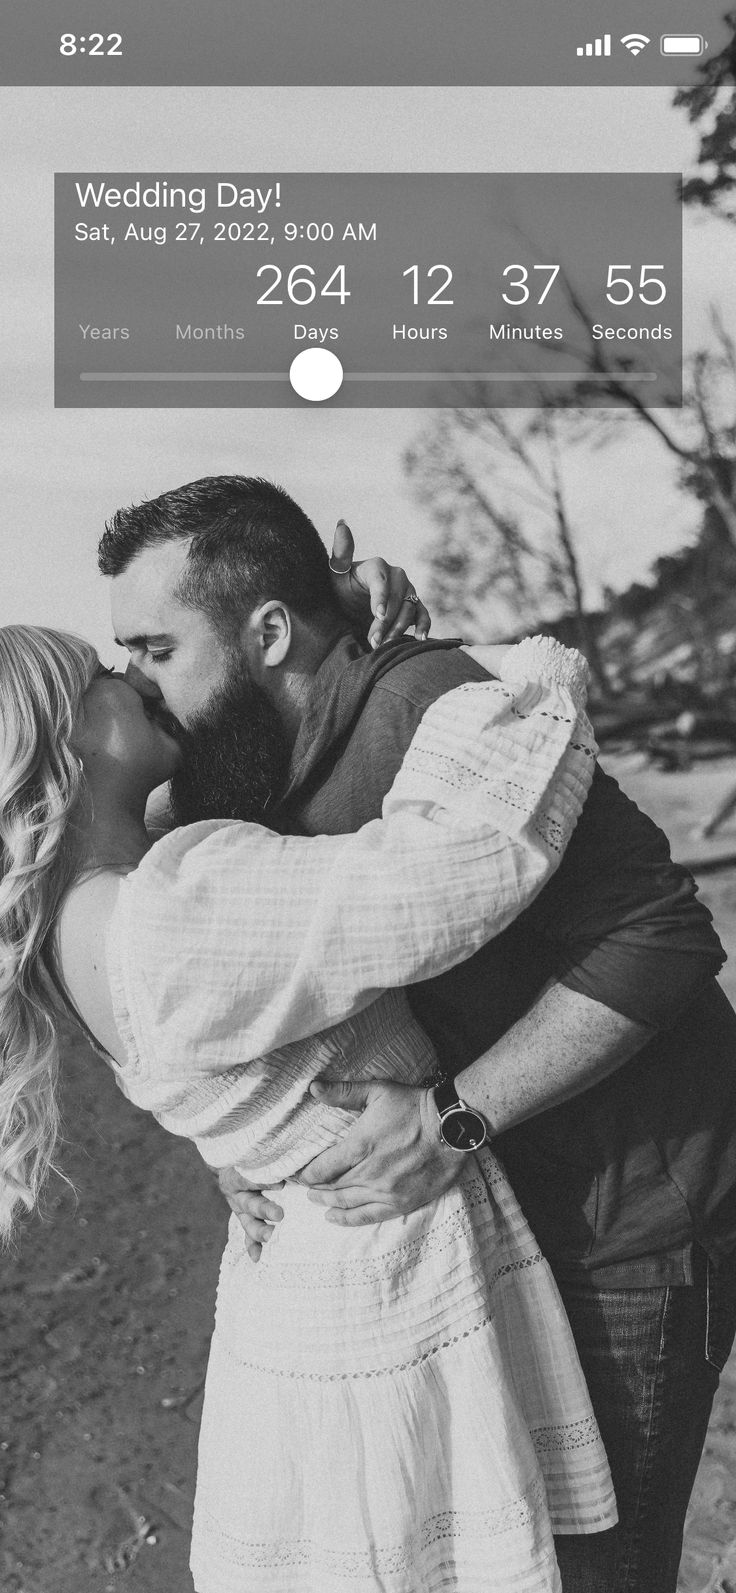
446, 1098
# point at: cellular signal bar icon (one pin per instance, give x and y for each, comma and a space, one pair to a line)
596, 46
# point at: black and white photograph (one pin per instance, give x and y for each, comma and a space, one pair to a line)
368, 845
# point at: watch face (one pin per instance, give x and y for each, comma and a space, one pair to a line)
463, 1130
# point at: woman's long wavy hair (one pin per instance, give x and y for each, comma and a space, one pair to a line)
43, 677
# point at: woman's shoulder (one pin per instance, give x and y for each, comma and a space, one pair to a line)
87, 908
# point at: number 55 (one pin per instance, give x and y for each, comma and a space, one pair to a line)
645, 281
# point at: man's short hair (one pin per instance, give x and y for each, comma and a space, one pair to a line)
249, 542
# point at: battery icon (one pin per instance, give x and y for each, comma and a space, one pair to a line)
683, 44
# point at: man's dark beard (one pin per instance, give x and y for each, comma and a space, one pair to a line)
235, 752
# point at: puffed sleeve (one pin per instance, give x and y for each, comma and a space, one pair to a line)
229, 941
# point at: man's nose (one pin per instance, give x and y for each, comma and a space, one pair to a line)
141, 683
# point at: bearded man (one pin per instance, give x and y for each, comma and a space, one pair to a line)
591, 1035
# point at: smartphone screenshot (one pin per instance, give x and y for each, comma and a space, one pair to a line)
367, 1113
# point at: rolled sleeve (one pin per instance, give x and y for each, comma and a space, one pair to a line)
625, 922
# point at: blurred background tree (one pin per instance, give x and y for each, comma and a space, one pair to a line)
712, 101
505, 554
504, 557
484, 475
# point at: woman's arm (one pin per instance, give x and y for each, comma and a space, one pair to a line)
376, 597
242, 941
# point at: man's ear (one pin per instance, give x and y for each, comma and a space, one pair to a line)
270, 634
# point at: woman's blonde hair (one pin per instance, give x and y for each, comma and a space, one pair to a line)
43, 677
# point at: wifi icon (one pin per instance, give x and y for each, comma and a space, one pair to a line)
635, 42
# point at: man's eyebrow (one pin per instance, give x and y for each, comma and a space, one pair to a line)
129, 642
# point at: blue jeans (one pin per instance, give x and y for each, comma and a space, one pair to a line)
652, 1358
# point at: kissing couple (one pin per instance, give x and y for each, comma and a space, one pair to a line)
410, 956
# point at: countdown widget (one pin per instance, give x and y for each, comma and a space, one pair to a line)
185, 289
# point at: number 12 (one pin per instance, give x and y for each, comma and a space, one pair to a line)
434, 298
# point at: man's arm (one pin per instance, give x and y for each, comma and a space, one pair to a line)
633, 946
561, 1047
392, 1159
628, 957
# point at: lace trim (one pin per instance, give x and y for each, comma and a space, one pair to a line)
571, 1435
291, 1554
426, 1247
434, 1241
449, 771
521, 797
461, 776
288, 1374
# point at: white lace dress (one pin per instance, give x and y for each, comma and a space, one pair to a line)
396, 1408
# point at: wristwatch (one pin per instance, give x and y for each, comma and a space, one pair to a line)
459, 1126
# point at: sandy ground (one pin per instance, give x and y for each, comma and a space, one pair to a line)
107, 1310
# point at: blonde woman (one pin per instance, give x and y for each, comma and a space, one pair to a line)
391, 1408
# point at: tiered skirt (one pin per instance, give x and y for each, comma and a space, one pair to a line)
396, 1408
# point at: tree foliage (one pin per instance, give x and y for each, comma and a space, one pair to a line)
712, 101
505, 548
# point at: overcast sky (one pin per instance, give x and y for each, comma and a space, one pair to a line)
65, 470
